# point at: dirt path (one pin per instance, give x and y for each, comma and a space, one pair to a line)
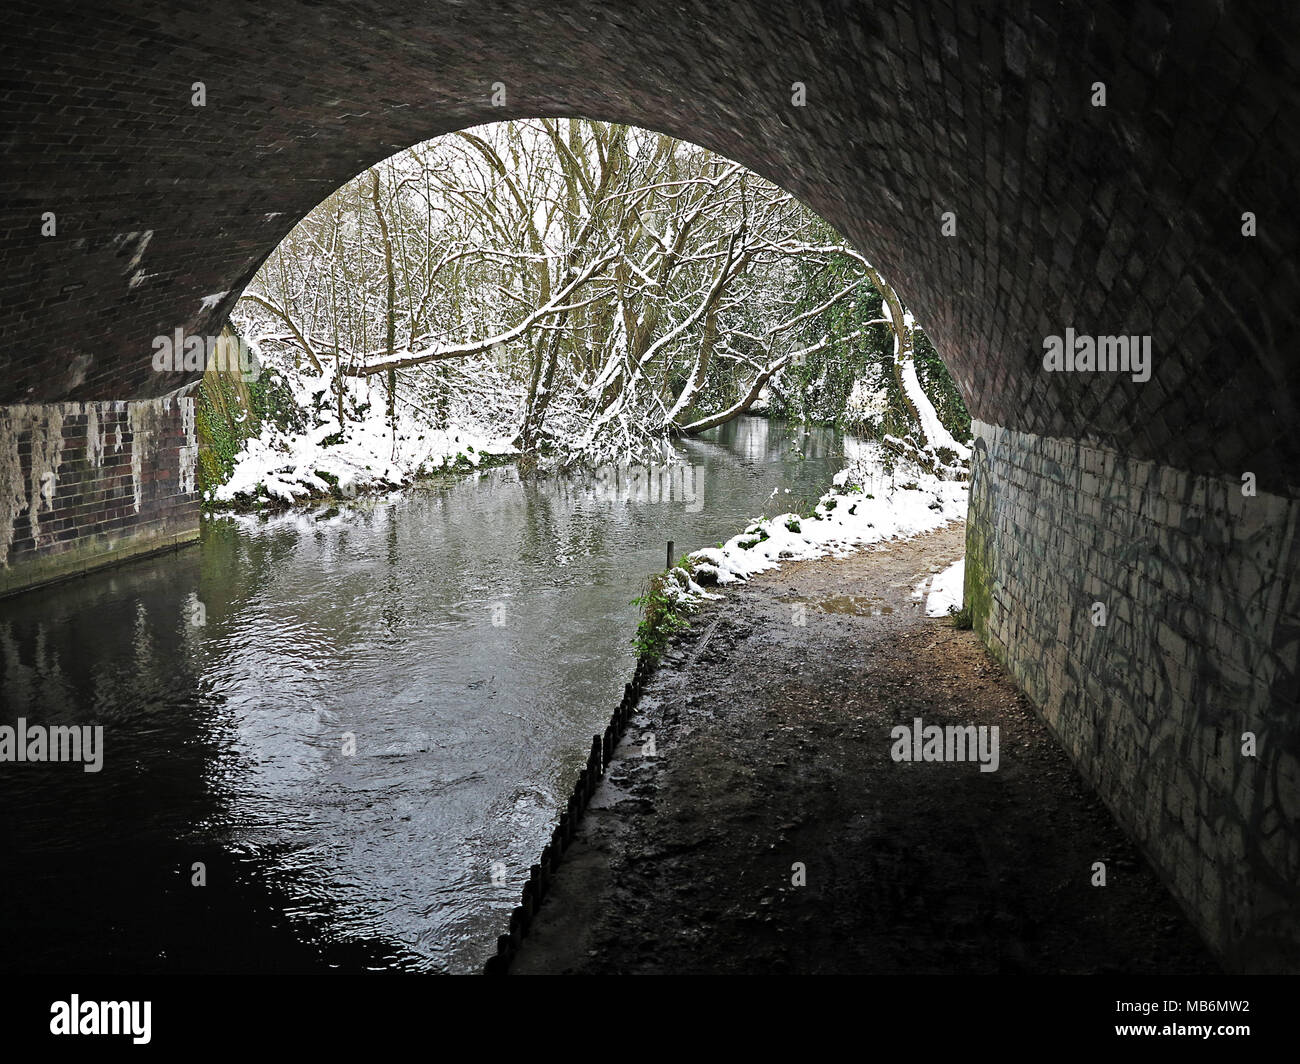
772, 746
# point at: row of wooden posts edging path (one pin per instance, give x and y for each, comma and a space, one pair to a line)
541, 874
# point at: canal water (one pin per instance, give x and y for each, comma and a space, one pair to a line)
337, 739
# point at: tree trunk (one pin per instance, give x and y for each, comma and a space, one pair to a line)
390, 309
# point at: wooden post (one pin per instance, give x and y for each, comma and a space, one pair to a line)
670, 555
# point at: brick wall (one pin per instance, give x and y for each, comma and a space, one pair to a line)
86, 484
1201, 587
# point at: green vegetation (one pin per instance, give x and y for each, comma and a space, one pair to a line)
664, 615
229, 411
977, 592
818, 388
223, 422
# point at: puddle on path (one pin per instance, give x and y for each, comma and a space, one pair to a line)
858, 605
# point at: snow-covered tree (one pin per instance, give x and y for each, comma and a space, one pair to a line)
580, 288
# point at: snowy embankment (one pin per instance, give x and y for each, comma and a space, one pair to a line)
283, 467
865, 506
945, 589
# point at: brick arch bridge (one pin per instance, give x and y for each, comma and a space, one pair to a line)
1167, 213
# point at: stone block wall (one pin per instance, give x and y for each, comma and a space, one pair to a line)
1200, 585
84, 485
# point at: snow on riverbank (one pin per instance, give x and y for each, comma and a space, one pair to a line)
287, 467
865, 506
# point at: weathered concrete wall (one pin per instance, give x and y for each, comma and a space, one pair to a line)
1201, 587
88, 484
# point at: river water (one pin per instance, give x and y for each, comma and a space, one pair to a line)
338, 739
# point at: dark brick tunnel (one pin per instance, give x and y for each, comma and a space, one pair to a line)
1167, 213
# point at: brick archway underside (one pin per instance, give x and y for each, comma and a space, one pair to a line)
1117, 220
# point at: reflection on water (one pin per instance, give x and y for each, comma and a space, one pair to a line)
468, 638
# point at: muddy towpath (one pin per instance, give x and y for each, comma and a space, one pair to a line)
768, 828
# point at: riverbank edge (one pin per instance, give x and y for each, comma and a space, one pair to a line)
540, 874
599, 761
658, 632
259, 505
